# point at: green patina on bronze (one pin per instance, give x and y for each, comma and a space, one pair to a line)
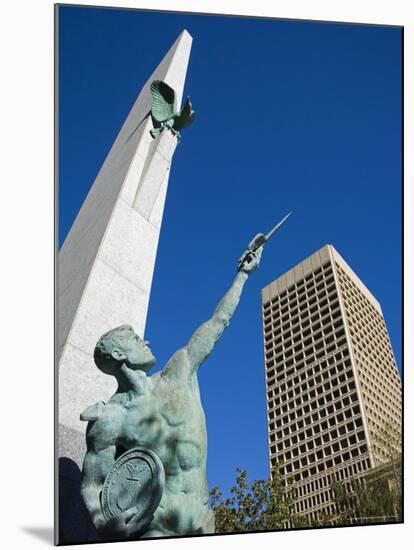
144, 473
164, 110
162, 413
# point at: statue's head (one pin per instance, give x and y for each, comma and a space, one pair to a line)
121, 345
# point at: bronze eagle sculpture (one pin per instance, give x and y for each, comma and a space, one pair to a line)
164, 110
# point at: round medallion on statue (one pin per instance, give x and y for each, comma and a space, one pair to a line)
136, 480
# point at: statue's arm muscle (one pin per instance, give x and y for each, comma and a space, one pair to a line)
203, 340
98, 461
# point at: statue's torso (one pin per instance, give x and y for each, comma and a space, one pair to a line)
168, 418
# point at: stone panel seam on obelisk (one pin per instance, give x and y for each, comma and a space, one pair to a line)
171, 56
155, 226
122, 275
145, 187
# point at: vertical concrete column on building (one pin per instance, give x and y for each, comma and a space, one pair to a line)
105, 266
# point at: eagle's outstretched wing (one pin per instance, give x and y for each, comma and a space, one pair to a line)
186, 117
163, 101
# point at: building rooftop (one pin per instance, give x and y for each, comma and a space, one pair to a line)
327, 253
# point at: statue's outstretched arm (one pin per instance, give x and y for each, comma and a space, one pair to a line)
205, 337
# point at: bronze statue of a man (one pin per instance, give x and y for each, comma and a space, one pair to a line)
162, 413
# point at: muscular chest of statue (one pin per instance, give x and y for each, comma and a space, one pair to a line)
142, 423
169, 420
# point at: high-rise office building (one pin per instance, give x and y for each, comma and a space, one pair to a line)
332, 382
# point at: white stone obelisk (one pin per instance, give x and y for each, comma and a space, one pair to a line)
106, 263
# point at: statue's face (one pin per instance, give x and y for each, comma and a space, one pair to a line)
137, 353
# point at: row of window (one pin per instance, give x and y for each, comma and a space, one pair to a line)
306, 349
392, 408
320, 483
308, 471
303, 339
352, 289
389, 387
327, 400
386, 390
360, 307
294, 398
317, 484
378, 363
329, 440
376, 420
300, 300
311, 358
307, 326
363, 333
315, 277
314, 501
379, 409
297, 298
381, 364
315, 426
341, 452
317, 499
299, 315
371, 347
317, 373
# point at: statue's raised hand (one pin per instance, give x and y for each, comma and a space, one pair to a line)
251, 256
250, 260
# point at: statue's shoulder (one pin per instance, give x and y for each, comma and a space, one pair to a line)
93, 412
177, 365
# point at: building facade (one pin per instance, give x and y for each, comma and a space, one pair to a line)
333, 388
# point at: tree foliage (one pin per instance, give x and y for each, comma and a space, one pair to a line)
389, 441
262, 506
376, 496
267, 505
359, 501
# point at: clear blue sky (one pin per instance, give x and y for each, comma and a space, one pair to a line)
290, 116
